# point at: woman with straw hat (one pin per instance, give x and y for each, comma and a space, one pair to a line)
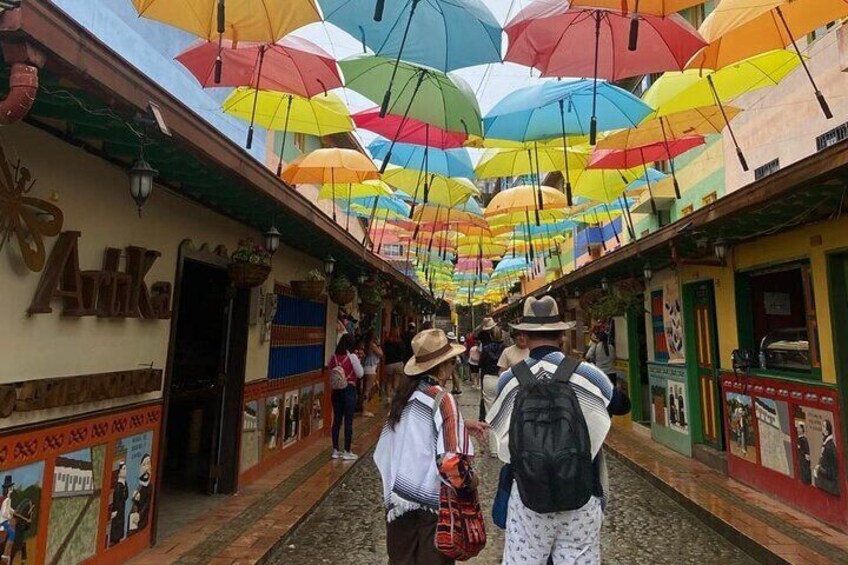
425, 441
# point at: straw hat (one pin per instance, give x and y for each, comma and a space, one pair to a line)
542, 315
488, 324
451, 336
430, 348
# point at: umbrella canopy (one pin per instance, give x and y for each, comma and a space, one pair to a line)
242, 20
441, 34
653, 7
704, 120
292, 65
603, 185
378, 207
319, 116
445, 191
524, 197
369, 188
533, 113
639, 156
331, 165
449, 162
425, 94
651, 176
497, 163
408, 130
554, 38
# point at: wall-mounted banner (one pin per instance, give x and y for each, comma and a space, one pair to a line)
673, 321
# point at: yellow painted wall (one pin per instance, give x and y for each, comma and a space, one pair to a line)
94, 198
725, 297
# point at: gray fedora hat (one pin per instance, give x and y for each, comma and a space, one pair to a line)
542, 315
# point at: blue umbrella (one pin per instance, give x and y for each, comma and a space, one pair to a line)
561, 108
650, 176
447, 35
391, 204
449, 163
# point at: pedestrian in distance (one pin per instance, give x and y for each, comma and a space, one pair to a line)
373, 355
344, 400
472, 349
516, 352
491, 338
423, 443
601, 353
457, 389
395, 356
556, 499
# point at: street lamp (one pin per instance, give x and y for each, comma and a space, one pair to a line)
720, 250
647, 272
141, 182
329, 265
272, 240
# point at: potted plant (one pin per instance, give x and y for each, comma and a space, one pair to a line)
341, 290
310, 288
371, 296
250, 264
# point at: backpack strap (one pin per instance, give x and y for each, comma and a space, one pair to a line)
523, 373
566, 369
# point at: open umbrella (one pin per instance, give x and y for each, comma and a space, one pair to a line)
448, 162
698, 88
319, 116
408, 130
439, 34
330, 166
446, 191
703, 120
738, 29
498, 163
554, 37
264, 21
562, 108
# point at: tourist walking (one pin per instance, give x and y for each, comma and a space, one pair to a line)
556, 501
395, 356
491, 338
472, 349
424, 442
455, 378
516, 352
373, 355
344, 400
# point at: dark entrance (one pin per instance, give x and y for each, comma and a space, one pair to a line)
204, 390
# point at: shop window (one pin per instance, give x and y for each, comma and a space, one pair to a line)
658, 327
769, 168
687, 210
300, 142
709, 198
777, 319
832, 137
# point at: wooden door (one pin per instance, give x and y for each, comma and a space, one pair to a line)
706, 349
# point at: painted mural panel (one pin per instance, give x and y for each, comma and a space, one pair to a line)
818, 452
19, 503
678, 407
272, 423
251, 438
75, 508
318, 407
131, 486
774, 431
740, 418
291, 418
659, 408
305, 411
673, 321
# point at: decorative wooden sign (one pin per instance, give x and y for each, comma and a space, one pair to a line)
106, 293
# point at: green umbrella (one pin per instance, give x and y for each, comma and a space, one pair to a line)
418, 92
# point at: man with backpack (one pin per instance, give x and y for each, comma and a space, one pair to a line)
551, 419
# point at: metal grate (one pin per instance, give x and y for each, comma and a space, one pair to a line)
769, 168
835, 135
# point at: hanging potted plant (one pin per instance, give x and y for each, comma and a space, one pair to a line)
341, 290
250, 265
311, 288
371, 296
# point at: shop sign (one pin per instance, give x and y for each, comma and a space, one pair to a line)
106, 293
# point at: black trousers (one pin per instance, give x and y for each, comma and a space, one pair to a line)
411, 540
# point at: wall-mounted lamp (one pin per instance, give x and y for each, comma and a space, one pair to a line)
604, 284
329, 265
141, 182
647, 272
272, 240
720, 250
362, 278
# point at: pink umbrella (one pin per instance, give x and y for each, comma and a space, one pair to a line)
291, 65
472, 265
638, 156
554, 38
408, 130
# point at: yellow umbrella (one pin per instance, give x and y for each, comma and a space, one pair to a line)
525, 197
497, 163
697, 121
331, 165
603, 185
486, 250
441, 190
511, 219
696, 88
738, 29
365, 189
319, 116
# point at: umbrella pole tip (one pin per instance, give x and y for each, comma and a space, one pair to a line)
384, 107
824, 105
593, 131
249, 143
742, 160
378, 10
634, 33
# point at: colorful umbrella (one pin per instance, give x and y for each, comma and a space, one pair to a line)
264, 21
553, 38
319, 116
523, 197
704, 120
330, 166
408, 130
448, 162
496, 163
738, 29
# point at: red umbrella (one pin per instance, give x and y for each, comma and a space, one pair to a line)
554, 38
408, 130
638, 156
291, 65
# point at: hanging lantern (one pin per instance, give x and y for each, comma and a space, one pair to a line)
272, 240
141, 182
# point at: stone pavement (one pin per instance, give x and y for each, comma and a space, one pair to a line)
642, 525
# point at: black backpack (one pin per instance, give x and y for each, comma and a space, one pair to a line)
549, 443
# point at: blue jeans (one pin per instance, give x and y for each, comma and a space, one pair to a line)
344, 405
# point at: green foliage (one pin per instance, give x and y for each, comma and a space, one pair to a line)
339, 283
315, 275
371, 294
616, 302
249, 252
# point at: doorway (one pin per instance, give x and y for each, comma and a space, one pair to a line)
838, 286
204, 391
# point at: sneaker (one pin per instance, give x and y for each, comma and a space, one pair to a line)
349, 456
337, 454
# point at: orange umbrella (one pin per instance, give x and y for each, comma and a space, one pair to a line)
330, 166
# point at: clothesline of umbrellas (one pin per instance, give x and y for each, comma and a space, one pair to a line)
600, 137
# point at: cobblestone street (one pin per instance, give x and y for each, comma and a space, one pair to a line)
348, 526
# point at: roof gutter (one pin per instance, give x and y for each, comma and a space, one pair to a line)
24, 60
